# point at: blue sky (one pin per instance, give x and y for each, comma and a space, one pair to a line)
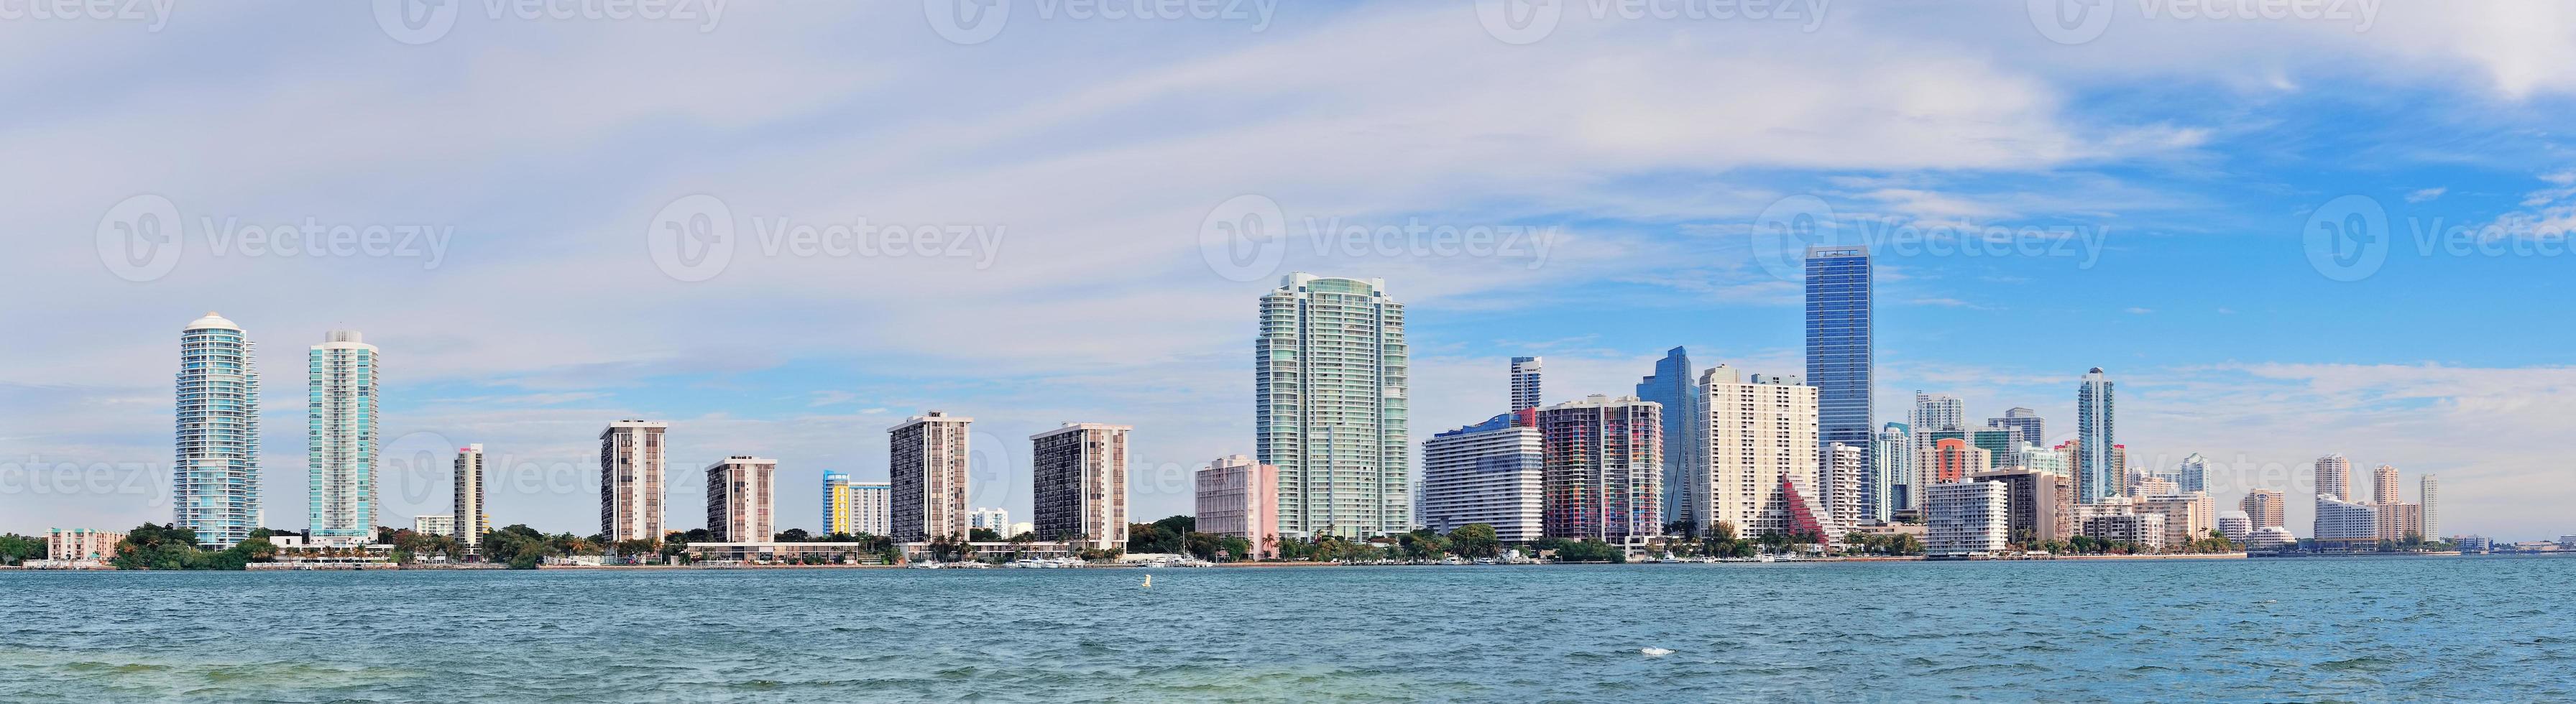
2158, 183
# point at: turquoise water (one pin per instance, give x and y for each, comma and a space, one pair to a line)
2477, 629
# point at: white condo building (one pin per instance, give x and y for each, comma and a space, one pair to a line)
214, 479
872, 508
1525, 382
742, 499
1487, 473
1080, 477
1840, 490
1330, 372
1891, 461
926, 465
2345, 524
1967, 518
2429, 493
472, 521
631, 498
1758, 432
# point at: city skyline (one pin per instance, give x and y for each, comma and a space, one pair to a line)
2184, 190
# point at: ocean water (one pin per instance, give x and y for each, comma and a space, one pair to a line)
2424, 629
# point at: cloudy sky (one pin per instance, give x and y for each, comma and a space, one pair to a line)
786, 227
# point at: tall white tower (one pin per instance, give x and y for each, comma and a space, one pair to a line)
214, 480
1330, 375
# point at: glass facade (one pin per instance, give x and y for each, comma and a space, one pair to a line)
340, 454
1839, 357
2098, 475
215, 477
1330, 409
1671, 386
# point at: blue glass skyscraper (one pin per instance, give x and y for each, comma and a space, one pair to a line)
1671, 386
1839, 356
2098, 474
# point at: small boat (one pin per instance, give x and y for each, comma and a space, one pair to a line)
1654, 652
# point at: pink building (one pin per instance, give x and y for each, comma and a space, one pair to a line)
1239, 497
79, 544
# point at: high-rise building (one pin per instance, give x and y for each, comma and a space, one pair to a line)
2041, 504
2429, 493
2235, 525
472, 521
1891, 479
1525, 383
872, 508
1330, 409
1840, 357
1490, 473
2193, 475
994, 519
1671, 386
742, 499
2188, 516
926, 459
2400, 521
2334, 477
2097, 471
1080, 473
2041, 459
340, 455
1601, 461
2383, 486
1967, 519
1953, 460
2034, 430
2144, 530
1839, 491
631, 456
839, 506
2002, 445
214, 483
2346, 525
1934, 418
1759, 432
2265, 507
1239, 497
